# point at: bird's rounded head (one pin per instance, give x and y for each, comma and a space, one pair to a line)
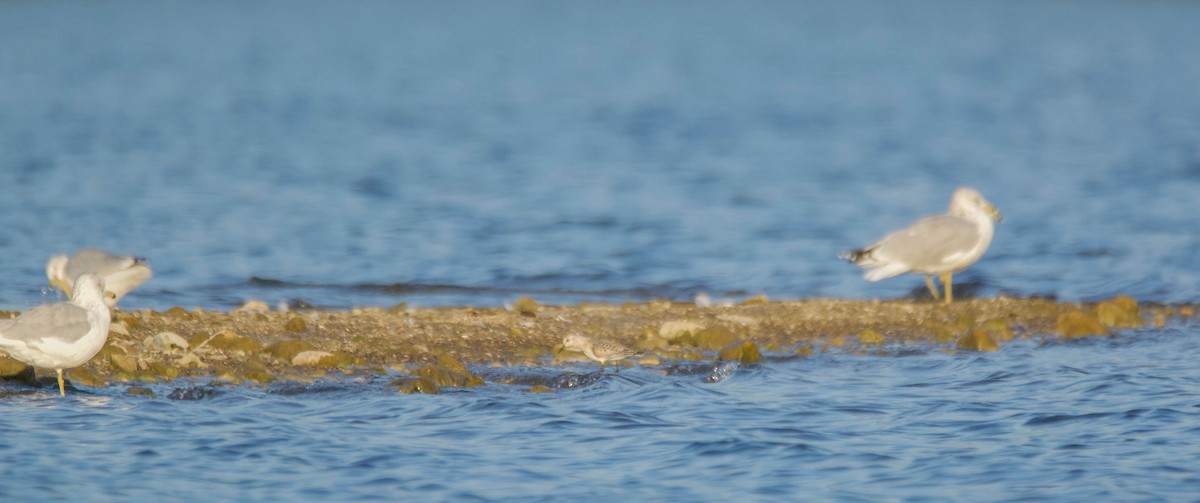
967, 201
89, 286
575, 342
56, 271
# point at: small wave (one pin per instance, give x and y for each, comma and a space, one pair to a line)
1047, 419
722, 371
192, 393
572, 381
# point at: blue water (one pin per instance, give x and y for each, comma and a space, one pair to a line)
1102, 419
471, 152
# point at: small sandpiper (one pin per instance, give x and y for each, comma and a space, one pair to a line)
599, 350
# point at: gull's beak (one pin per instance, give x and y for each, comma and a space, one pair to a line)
995, 213
61, 285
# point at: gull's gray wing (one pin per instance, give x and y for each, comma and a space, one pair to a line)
63, 321
928, 242
97, 261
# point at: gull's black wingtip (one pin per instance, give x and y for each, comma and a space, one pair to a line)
853, 256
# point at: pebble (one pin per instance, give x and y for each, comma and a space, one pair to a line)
166, 341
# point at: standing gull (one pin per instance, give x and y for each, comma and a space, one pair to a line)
599, 350
938, 244
121, 274
62, 335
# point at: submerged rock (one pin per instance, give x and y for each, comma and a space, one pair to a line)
740, 351
87, 377
945, 333
140, 391
449, 372
257, 372
1119, 312
870, 338
978, 340
1078, 324
411, 385
997, 329
14, 370
450, 363
163, 369
447, 378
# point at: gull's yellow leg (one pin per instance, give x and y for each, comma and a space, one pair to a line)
948, 286
932, 288
62, 391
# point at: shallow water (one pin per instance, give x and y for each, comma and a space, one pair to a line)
472, 153
451, 153
1102, 418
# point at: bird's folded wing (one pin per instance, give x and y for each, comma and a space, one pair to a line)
929, 241
64, 322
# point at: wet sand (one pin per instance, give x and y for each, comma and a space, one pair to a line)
252, 345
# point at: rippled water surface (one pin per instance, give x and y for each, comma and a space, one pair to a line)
469, 153
1106, 419
451, 153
